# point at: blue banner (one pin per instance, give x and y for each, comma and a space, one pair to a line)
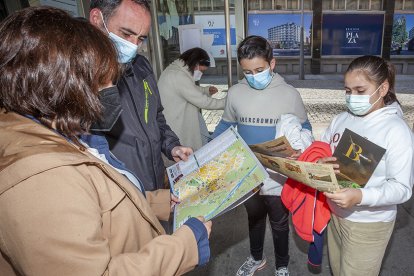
352, 34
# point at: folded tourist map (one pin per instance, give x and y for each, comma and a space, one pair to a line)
216, 178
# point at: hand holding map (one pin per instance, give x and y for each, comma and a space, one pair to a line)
214, 178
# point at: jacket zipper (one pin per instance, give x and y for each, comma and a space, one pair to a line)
142, 126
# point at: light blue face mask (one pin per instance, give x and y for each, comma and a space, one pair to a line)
126, 50
359, 104
260, 80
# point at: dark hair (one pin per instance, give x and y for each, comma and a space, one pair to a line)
52, 66
254, 46
195, 56
108, 7
377, 70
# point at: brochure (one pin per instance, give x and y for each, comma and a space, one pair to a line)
215, 179
357, 158
318, 176
272, 154
279, 147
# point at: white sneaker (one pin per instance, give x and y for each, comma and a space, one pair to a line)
250, 266
283, 271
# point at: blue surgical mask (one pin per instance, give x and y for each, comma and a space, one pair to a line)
359, 104
260, 80
126, 50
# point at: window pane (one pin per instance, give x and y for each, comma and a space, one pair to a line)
398, 4
218, 5
205, 5
254, 4
231, 3
363, 5
409, 5
266, 4
376, 5
339, 5
292, 4
280, 4
307, 5
351, 4
327, 4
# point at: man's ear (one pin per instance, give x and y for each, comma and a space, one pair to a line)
272, 64
95, 17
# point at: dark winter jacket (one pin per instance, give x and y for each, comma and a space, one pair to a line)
141, 133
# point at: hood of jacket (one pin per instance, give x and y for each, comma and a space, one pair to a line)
277, 80
179, 65
22, 138
32, 146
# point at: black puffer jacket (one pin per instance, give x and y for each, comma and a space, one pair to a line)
141, 133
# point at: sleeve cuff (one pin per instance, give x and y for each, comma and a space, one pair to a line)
201, 237
367, 197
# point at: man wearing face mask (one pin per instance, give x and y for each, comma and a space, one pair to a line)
141, 133
183, 99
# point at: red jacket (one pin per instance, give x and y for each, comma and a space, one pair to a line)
309, 208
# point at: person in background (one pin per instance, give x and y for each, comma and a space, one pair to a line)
363, 219
140, 135
254, 106
183, 99
64, 209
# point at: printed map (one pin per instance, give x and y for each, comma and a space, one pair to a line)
225, 171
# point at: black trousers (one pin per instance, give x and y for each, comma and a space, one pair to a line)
258, 208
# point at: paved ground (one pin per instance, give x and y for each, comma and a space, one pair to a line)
323, 97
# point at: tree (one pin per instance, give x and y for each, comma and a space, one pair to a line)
399, 31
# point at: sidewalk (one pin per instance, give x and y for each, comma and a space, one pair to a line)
323, 97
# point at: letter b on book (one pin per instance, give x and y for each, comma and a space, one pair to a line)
353, 152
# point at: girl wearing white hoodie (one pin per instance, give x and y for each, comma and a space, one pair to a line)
363, 219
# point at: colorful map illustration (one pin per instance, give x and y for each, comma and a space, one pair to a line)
208, 189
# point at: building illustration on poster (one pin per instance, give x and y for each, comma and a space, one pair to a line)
282, 31
352, 34
403, 35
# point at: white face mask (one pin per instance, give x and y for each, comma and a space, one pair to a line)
126, 50
359, 104
197, 75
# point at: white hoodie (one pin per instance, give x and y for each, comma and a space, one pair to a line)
392, 181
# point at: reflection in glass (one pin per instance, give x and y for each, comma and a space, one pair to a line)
280, 4
351, 4
376, 5
363, 5
254, 5
307, 5
292, 4
398, 4
339, 5
409, 5
171, 14
218, 5
267, 5
327, 4
205, 5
